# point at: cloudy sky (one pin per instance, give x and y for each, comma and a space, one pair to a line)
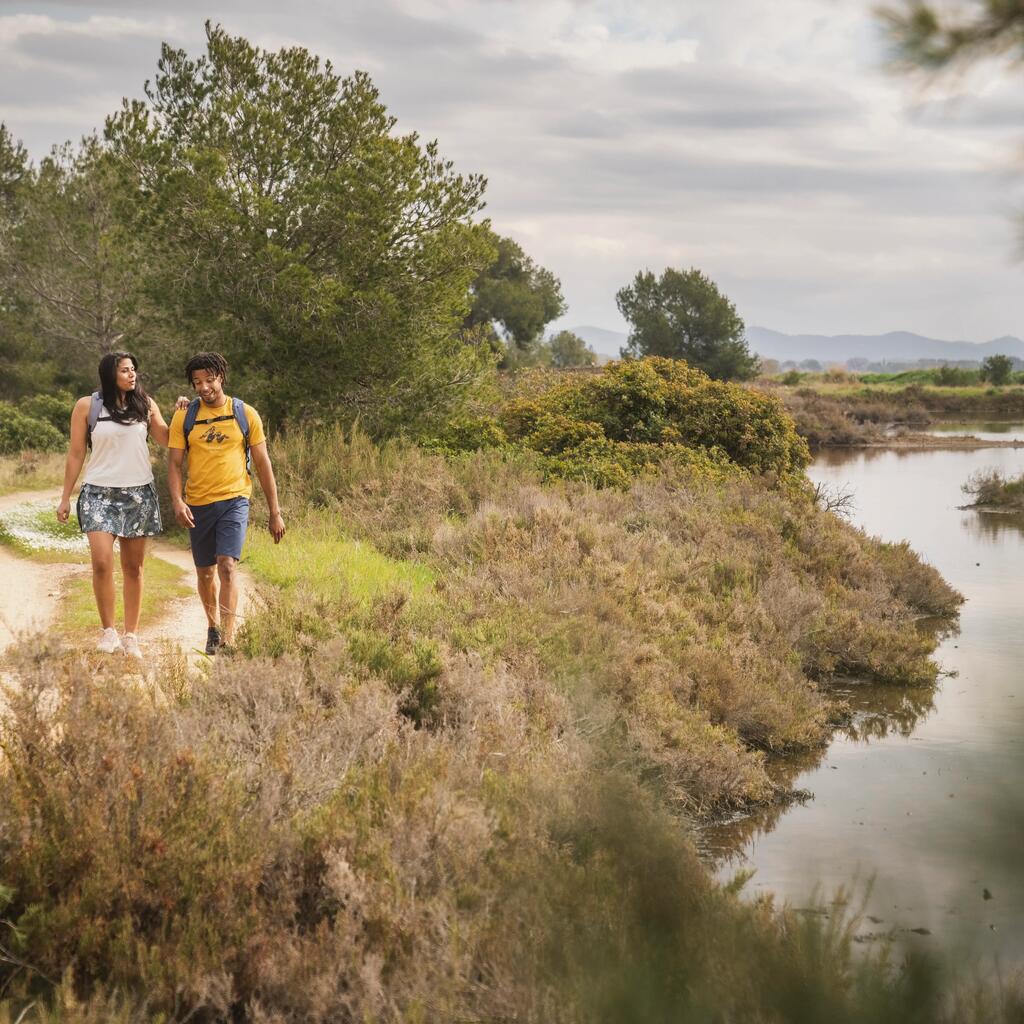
763, 143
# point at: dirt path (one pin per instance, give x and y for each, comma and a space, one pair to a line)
184, 622
30, 592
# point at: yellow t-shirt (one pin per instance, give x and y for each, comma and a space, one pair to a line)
216, 453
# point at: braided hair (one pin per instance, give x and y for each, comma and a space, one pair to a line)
212, 361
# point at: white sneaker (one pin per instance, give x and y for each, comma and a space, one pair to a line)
130, 645
110, 642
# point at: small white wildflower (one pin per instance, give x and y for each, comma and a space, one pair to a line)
25, 524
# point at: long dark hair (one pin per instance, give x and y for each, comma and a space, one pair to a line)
136, 402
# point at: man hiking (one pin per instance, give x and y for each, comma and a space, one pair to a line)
223, 438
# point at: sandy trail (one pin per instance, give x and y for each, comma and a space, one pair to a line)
30, 592
183, 623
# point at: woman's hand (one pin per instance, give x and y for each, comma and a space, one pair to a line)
63, 510
181, 402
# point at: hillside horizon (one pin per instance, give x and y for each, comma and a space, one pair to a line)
893, 346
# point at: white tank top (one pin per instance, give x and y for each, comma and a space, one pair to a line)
120, 454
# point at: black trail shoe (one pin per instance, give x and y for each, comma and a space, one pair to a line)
213, 640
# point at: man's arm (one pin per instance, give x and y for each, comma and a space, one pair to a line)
265, 471
175, 460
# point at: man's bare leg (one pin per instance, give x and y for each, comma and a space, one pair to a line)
206, 579
227, 572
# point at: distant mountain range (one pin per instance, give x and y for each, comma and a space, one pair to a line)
897, 346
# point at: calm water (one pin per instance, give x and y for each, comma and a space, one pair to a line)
997, 430
924, 796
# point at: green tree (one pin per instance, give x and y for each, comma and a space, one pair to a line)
516, 294
69, 265
683, 315
931, 37
23, 367
997, 369
328, 257
568, 350
13, 171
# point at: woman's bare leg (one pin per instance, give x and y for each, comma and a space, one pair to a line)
133, 553
101, 550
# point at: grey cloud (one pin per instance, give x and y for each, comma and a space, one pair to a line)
730, 97
638, 181
36, 85
702, 97
96, 56
586, 124
753, 118
1002, 111
392, 30
493, 85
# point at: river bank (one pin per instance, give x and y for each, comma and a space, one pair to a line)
848, 414
916, 795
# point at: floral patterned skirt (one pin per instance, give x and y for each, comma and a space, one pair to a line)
122, 511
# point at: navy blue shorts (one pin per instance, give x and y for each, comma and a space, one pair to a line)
219, 530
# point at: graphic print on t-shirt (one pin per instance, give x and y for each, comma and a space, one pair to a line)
213, 434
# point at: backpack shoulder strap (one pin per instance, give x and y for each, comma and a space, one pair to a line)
191, 413
95, 408
242, 418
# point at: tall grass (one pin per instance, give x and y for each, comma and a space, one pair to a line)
31, 470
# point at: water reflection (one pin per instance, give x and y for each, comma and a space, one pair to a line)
988, 527
989, 430
877, 712
869, 711
920, 789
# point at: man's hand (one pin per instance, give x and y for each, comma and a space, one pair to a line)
183, 514
276, 527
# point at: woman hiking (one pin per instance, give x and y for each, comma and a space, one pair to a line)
118, 496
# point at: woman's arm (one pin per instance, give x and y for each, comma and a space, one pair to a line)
158, 429
76, 455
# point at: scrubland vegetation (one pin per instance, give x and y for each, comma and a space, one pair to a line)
451, 771
991, 489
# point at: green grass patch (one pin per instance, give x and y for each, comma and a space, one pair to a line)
163, 583
334, 567
327, 585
